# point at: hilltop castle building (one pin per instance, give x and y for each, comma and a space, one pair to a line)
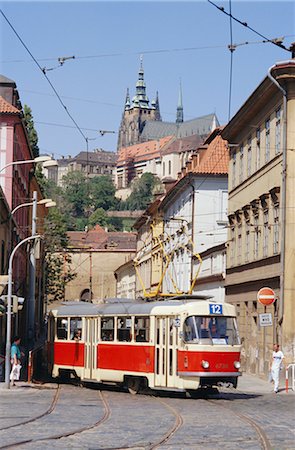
142, 122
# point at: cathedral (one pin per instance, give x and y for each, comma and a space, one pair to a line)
142, 122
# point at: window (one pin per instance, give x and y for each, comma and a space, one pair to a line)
234, 169
241, 164
75, 326
3, 257
257, 148
163, 169
249, 165
267, 140
124, 329
232, 246
247, 242
142, 329
265, 233
239, 244
169, 167
62, 328
278, 131
211, 330
90, 169
276, 232
256, 236
107, 329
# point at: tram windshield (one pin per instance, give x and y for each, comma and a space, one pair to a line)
215, 330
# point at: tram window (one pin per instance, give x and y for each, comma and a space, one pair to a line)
142, 329
212, 330
124, 329
62, 329
107, 329
75, 327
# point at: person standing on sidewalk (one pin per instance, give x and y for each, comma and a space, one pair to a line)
277, 358
15, 356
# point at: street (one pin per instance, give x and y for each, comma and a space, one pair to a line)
100, 417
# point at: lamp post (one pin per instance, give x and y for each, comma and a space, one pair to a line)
38, 159
9, 302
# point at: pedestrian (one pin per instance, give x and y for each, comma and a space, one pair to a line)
276, 366
15, 356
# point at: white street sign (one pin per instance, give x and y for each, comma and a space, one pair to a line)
265, 320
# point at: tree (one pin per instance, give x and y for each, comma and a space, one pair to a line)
76, 192
142, 192
102, 193
57, 259
99, 217
32, 133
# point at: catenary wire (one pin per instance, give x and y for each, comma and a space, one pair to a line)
272, 41
43, 72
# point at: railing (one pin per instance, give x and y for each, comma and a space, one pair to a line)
292, 367
32, 360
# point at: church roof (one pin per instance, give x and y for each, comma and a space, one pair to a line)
186, 144
201, 125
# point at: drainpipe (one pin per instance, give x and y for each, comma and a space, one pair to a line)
193, 227
284, 180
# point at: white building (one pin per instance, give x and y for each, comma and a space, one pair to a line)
195, 224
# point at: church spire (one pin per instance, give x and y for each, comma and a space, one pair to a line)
127, 101
140, 99
179, 111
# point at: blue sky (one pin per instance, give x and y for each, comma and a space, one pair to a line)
107, 38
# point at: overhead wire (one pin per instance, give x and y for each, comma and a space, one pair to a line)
231, 49
244, 24
44, 74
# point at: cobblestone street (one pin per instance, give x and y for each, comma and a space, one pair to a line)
45, 416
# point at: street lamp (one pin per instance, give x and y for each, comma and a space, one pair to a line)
9, 304
39, 159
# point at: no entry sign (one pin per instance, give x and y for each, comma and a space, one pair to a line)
266, 296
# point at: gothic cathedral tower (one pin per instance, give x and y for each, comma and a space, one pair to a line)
137, 113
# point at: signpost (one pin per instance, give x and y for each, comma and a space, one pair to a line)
266, 296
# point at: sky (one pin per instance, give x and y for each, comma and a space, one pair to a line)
179, 40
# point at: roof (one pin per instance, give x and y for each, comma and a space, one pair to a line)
155, 129
194, 304
5, 80
183, 144
98, 155
146, 150
98, 238
215, 159
7, 108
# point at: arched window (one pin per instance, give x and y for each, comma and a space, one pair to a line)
86, 296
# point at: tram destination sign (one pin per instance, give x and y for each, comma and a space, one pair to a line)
265, 320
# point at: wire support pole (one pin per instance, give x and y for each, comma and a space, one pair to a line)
9, 304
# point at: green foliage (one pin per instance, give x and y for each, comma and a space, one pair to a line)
76, 193
32, 133
142, 192
100, 217
102, 193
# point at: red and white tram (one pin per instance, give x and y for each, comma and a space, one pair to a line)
183, 343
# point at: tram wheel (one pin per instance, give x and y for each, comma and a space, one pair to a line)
133, 385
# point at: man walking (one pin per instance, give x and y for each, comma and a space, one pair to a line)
277, 358
15, 360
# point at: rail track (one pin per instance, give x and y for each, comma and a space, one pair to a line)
162, 440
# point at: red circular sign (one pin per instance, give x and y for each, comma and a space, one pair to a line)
266, 296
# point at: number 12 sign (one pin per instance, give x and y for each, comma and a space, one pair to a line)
215, 309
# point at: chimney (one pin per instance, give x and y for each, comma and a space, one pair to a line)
292, 49
168, 183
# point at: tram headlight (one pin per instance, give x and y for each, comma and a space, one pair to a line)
205, 364
237, 364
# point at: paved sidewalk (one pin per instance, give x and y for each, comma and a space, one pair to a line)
252, 383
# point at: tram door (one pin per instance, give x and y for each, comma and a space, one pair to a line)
90, 347
166, 352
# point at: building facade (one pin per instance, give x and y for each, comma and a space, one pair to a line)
95, 255
261, 209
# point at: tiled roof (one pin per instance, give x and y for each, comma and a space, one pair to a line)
98, 238
215, 158
146, 150
182, 145
97, 156
5, 80
155, 129
7, 108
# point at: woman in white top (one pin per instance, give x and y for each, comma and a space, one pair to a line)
277, 358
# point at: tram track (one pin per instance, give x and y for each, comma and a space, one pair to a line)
262, 438
39, 416
104, 418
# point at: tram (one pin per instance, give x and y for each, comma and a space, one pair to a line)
183, 343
